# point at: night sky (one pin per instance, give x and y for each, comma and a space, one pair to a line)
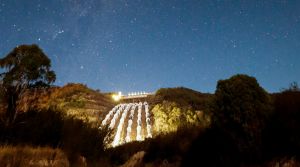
143, 45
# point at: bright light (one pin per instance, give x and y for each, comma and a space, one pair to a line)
117, 97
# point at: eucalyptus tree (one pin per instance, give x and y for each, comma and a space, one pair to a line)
25, 67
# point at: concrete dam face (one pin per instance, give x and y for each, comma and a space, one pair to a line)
129, 122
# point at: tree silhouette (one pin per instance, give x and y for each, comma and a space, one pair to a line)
240, 108
292, 88
26, 66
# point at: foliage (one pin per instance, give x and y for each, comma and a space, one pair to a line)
168, 117
70, 95
80, 138
183, 97
171, 146
26, 66
24, 156
213, 147
241, 108
283, 161
37, 128
74, 99
281, 136
242, 130
292, 88
119, 155
164, 147
52, 128
179, 107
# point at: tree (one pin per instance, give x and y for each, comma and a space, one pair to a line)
292, 88
284, 125
26, 66
240, 108
169, 117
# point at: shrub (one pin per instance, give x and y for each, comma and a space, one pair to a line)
169, 116
52, 128
282, 137
80, 138
240, 108
171, 146
183, 97
37, 128
23, 156
212, 148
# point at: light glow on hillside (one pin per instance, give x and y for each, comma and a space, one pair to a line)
117, 97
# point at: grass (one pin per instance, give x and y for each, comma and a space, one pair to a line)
26, 156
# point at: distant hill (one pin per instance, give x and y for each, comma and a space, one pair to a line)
182, 96
74, 99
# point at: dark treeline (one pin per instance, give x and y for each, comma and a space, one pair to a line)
250, 127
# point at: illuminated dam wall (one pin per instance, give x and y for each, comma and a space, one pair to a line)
129, 122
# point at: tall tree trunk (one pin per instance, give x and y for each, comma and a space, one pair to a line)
12, 98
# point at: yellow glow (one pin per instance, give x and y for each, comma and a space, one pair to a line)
117, 97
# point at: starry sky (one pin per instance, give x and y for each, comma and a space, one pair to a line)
143, 45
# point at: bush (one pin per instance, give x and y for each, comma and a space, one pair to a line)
282, 136
52, 128
183, 97
24, 156
80, 138
171, 146
36, 128
240, 109
212, 148
169, 116
119, 155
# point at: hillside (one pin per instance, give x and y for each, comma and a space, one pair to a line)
182, 96
175, 108
184, 127
74, 99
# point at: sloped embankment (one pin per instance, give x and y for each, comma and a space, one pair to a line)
174, 108
74, 99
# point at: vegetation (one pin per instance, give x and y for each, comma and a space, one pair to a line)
240, 125
36, 113
174, 108
169, 117
164, 148
281, 136
24, 67
51, 128
24, 156
73, 99
249, 128
183, 97
240, 108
